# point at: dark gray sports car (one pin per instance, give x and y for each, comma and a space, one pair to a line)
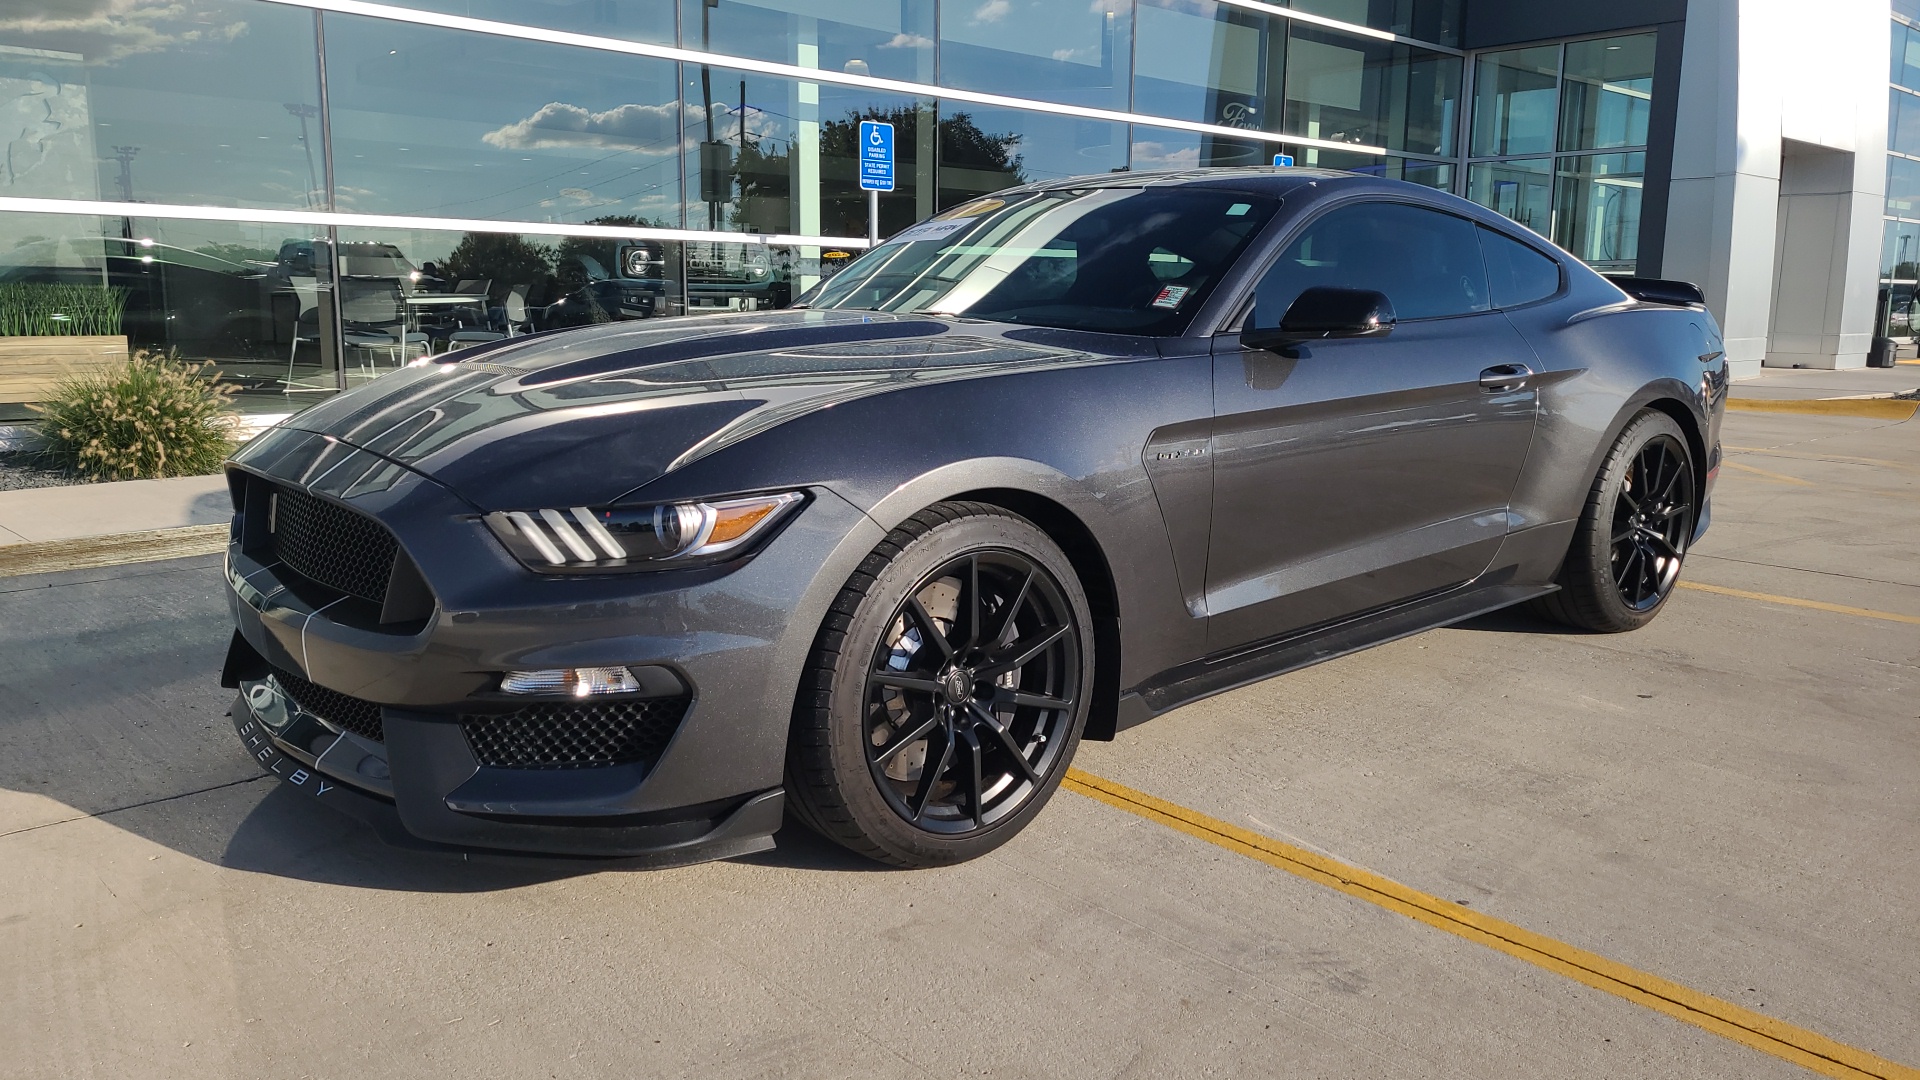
1036, 470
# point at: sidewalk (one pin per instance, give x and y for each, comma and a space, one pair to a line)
1799, 384
64, 513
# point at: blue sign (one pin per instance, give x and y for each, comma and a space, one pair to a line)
876, 156
1283, 160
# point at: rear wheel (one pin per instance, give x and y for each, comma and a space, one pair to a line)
1633, 533
946, 691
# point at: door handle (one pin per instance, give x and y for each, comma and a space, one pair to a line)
1503, 377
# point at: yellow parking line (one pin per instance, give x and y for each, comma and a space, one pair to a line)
1871, 408
1778, 477
1744, 1026
1794, 601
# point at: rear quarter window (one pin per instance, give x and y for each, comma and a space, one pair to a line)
1516, 273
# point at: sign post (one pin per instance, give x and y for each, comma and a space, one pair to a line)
876, 170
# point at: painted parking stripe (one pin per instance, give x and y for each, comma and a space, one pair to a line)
1780, 478
1763, 1033
1794, 601
1865, 408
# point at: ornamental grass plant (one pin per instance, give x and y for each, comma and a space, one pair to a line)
41, 309
154, 416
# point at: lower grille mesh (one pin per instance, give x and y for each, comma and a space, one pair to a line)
330, 544
575, 734
360, 717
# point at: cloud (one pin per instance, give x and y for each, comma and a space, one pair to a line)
1152, 155
992, 11
650, 129
103, 31
1074, 55
908, 41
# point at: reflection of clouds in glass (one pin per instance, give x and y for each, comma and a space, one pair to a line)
650, 129
1072, 55
908, 41
103, 31
1149, 156
992, 11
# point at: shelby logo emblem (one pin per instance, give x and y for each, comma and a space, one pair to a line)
279, 764
1176, 455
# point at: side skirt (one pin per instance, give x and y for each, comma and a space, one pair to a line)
1201, 679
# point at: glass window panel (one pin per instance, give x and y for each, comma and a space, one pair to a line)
1606, 95
1516, 273
1903, 123
1437, 21
1366, 164
1208, 62
782, 155
251, 299
212, 102
1596, 209
983, 150
1900, 254
1513, 101
1906, 56
1903, 187
629, 20
1427, 263
888, 38
1360, 90
1431, 174
1071, 52
1897, 310
443, 122
1522, 190
1155, 149
442, 291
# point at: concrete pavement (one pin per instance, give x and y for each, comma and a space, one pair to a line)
1725, 799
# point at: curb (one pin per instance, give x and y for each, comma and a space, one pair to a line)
1869, 408
87, 552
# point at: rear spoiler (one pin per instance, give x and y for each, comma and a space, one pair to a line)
1658, 291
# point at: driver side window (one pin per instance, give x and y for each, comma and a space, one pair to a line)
1427, 263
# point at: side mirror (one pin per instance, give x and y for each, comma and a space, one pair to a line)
1325, 312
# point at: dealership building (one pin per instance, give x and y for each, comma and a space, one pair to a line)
307, 192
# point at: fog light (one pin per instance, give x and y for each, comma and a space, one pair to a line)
576, 682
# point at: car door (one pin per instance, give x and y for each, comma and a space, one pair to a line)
1354, 474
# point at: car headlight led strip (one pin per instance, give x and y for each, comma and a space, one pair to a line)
583, 539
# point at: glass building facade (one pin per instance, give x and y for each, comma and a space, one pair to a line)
306, 195
1900, 250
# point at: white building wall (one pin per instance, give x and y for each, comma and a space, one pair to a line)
1779, 175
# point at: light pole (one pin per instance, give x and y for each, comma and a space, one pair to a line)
303, 112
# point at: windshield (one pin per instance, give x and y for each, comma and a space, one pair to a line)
1114, 260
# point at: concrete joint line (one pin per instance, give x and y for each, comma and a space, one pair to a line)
1808, 1049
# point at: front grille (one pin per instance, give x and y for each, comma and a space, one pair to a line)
328, 543
575, 734
360, 717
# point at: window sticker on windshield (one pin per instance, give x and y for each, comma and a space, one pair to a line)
934, 230
1238, 209
1171, 296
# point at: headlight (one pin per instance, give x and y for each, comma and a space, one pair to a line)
662, 537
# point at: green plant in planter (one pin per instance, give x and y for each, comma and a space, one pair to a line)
152, 417
41, 309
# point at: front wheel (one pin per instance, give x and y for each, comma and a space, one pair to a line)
946, 692
1633, 532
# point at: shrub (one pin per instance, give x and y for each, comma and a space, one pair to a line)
152, 417
40, 309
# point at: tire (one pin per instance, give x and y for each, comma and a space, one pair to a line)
1627, 550
900, 684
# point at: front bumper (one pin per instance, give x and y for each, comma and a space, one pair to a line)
735, 639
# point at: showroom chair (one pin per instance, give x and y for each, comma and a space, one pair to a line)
373, 311
515, 319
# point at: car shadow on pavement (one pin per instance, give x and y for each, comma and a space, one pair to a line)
1518, 620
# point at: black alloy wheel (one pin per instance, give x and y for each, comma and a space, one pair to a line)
966, 706
1652, 520
946, 692
1632, 537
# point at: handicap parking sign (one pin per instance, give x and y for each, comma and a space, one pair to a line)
876, 156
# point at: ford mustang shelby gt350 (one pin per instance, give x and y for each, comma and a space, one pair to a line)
1036, 470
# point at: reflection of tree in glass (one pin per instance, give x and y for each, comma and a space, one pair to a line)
983, 161
237, 253
581, 260
506, 259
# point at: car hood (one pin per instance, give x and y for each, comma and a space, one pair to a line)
584, 417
